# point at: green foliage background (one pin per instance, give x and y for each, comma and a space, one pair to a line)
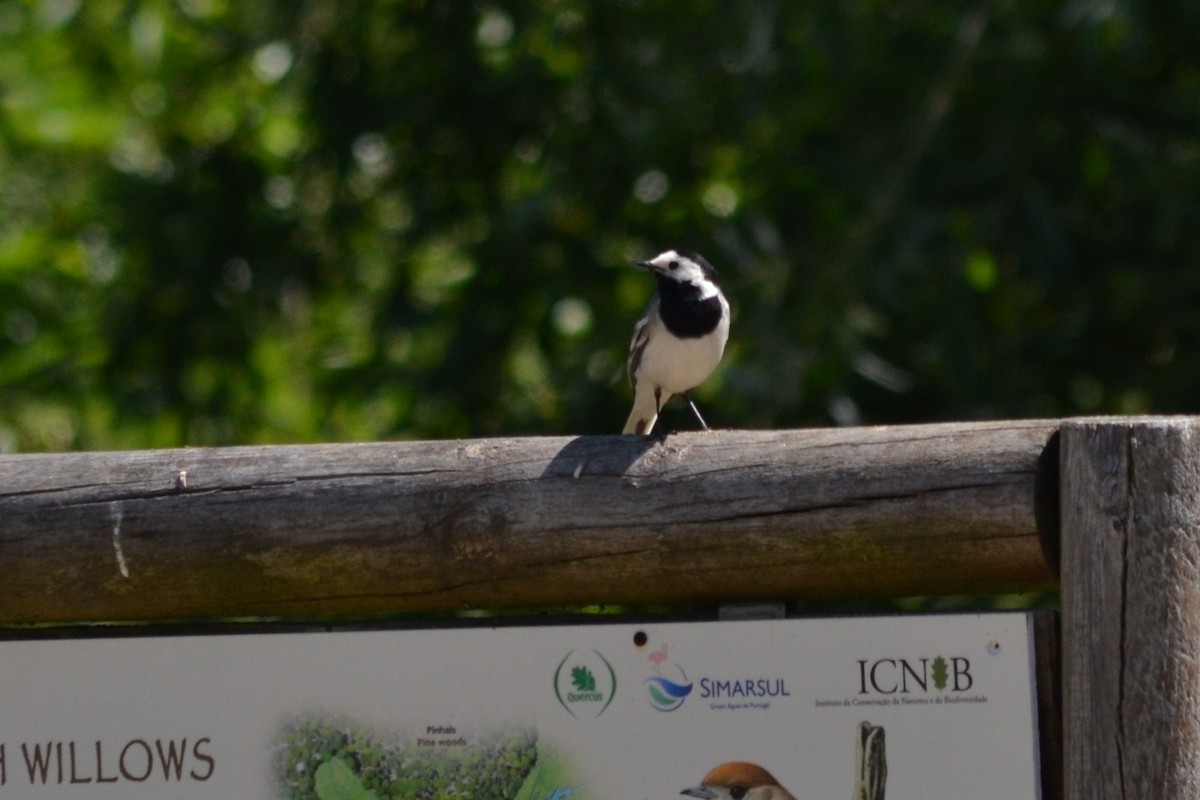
227, 222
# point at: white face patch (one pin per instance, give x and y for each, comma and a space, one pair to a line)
685, 270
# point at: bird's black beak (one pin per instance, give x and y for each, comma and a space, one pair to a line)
701, 791
644, 265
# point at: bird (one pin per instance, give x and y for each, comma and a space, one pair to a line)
680, 338
739, 780
658, 657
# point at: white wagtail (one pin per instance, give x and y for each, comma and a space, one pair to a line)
680, 338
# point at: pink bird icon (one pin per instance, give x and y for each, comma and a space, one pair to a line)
658, 657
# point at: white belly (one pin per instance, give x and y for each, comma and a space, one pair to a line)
677, 365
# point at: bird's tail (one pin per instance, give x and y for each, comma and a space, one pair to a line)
645, 412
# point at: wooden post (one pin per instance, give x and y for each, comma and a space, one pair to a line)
1131, 607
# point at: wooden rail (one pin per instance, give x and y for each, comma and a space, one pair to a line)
364, 529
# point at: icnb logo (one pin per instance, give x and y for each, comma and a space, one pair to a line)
667, 689
585, 683
914, 675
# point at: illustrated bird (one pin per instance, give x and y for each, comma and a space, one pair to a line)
739, 780
680, 338
658, 657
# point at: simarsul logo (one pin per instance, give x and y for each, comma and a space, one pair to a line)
905, 676
585, 683
669, 686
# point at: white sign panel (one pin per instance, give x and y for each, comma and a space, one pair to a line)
946, 705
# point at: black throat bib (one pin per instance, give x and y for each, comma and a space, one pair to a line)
684, 312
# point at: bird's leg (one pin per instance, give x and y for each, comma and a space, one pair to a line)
688, 396
657, 412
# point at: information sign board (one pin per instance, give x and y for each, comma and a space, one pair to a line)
927, 706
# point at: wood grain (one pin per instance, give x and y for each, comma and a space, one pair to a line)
360, 529
1131, 607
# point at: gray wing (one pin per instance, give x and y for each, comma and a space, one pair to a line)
641, 335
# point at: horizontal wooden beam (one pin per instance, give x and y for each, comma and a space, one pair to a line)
364, 529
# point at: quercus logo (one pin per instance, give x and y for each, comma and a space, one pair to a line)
888, 676
585, 683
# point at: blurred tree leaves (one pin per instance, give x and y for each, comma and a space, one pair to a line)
231, 222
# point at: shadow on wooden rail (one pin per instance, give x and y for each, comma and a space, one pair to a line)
365, 529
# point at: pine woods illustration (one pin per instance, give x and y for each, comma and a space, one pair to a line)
331, 758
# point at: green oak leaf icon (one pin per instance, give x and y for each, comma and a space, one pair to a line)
583, 679
939, 673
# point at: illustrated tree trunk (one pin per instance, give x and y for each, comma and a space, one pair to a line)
870, 760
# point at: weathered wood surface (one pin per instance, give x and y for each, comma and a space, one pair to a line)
302, 531
1131, 608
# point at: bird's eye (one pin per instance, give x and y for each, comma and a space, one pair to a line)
674, 265
737, 791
